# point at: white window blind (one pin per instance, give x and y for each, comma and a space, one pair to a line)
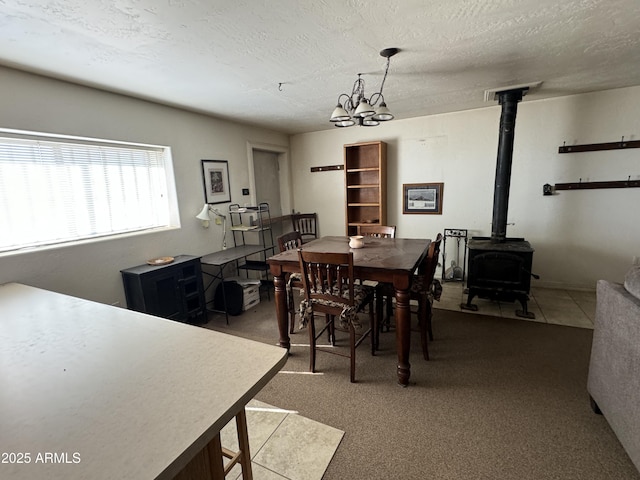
60, 190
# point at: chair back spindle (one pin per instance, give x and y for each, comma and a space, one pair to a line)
306, 224
327, 276
380, 231
289, 241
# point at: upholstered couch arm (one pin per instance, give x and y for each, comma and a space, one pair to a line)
614, 370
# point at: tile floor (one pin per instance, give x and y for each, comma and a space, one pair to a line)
560, 307
283, 444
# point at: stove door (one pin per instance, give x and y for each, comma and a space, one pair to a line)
500, 270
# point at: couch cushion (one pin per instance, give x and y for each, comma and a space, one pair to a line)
632, 281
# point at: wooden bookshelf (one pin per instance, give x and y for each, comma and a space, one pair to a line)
365, 166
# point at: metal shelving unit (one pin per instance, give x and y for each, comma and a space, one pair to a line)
254, 221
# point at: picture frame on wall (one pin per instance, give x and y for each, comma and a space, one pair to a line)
422, 198
215, 179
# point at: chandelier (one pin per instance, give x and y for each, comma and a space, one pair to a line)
357, 108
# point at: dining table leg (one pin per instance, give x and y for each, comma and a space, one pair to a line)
282, 314
403, 335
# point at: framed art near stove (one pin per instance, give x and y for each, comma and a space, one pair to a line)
422, 198
215, 178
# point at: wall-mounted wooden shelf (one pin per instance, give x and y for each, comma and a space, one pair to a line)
594, 147
549, 189
594, 185
327, 168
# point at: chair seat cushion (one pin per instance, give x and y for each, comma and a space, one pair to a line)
418, 285
349, 313
433, 290
294, 278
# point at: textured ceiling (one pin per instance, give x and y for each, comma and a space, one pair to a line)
227, 58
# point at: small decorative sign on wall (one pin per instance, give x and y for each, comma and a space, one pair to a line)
422, 198
215, 177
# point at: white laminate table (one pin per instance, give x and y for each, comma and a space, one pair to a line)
91, 391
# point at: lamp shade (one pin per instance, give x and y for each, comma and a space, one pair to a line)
364, 109
204, 214
382, 113
339, 114
345, 123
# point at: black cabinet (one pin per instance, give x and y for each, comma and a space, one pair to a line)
173, 291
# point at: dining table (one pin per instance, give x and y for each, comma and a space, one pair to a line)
389, 260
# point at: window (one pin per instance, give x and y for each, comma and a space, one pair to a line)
60, 189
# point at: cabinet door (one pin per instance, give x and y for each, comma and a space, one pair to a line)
163, 295
192, 301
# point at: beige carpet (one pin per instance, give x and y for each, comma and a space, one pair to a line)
500, 399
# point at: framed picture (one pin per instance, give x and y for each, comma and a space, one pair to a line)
422, 198
215, 178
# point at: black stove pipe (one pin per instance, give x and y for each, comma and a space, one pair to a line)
508, 99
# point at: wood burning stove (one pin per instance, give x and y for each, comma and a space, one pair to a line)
500, 271
499, 267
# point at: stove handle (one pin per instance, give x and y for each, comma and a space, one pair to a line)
537, 277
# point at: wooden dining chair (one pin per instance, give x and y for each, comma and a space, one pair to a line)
383, 292
380, 231
290, 241
421, 290
329, 288
422, 286
306, 224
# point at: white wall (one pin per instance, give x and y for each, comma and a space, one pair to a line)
578, 236
92, 271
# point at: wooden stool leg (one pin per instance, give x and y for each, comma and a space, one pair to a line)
243, 443
214, 450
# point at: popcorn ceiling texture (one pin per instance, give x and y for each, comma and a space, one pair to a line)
229, 57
